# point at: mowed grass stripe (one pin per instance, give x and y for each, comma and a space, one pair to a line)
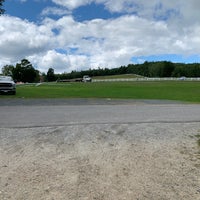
181, 91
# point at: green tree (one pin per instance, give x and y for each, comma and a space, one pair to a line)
179, 71
17, 73
193, 70
161, 69
29, 74
168, 68
50, 75
1, 9
25, 72
7, 70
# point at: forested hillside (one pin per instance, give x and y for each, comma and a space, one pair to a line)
147, 69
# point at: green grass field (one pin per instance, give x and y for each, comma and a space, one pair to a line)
180, 90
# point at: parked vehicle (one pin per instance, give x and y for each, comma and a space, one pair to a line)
7, 85
182, 78
87, 78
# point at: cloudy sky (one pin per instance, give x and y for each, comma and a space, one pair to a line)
81, 34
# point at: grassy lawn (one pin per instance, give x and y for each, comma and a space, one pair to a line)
181, 91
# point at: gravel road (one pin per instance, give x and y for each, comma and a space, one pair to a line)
104, 149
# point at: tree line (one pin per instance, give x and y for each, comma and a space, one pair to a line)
147, 69
22, 72
25, 72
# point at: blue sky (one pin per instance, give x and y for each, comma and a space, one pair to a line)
82, 34
93, 11
31, 10
167, 57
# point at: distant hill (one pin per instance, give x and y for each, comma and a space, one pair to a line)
147, 69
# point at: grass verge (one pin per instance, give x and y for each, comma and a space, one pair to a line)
180, 91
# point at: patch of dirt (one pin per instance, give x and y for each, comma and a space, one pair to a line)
100, 162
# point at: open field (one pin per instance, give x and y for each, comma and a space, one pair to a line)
166, 90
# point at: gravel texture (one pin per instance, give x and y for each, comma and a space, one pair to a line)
112, 158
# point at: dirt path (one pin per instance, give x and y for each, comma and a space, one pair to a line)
136, 161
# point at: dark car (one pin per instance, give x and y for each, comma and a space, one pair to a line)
7, 85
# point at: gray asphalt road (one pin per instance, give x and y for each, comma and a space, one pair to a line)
39, 113
98, 149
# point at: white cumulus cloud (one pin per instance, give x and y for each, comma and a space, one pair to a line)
147, 28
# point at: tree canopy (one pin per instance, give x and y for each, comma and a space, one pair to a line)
1, 7
147, 69
25, 72
22, 72
7, 70
50, 75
